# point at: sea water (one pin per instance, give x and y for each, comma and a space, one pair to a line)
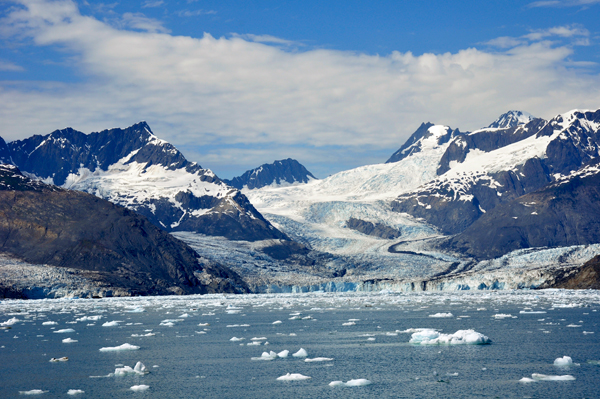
212, 346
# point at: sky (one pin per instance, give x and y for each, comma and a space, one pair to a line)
335, 84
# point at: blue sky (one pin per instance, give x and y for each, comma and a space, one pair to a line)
337, 84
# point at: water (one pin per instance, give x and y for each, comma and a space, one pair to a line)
202, 362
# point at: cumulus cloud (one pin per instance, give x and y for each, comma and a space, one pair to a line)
10, 67
139, 21
238, 90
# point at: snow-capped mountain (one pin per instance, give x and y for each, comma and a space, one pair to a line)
279, 173
134, 168
511, 119
424, 134
5, 157
482, 173
115, 250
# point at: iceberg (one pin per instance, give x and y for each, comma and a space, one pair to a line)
32, 392
563, 361
138, 388
543, 377
352, 383
461, 337
124, 347
75, 392
64, 331
441, 315
69, 340
318, 359
293, 377
300, 353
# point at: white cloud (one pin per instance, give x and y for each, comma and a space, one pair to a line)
560, 31
195, 13
267, 39
152, 3
139, 21
211, 91
10, 67
563, 3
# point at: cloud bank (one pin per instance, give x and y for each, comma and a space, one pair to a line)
247, 89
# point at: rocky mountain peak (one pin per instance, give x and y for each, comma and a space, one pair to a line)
511, 119
283, 172
427, 135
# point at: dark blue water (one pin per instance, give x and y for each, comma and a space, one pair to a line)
201, 362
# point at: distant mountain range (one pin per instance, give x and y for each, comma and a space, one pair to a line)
445, 203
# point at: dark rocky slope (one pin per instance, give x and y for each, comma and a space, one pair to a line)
281, 172
562, 214
43, 224
585, 277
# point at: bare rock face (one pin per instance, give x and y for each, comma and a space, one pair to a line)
284, 172
585, 277
43, 224
373, 229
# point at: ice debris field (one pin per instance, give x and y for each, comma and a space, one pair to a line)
326, 345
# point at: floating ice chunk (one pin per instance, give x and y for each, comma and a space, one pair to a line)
183, 316
238, 325
318, 359
143, 335
89, 318
75, 392
139, 388
64, 331
413, 330
277, 322
114, 323
588, 332
350, 323
503, 316
203, 324
10, 322
573, 325
352, 383
526, 380
32, 392
49, 323
255, 343
461, 337
293, 377
138, 369
295, 318
136, 310
169, 322
124, 347
283, 353
258, 339
532, 311
563, 361
442, 315
266, 356
59, 359
236, 339
69, 341
300, 353
371, 339
543, 377
353, 319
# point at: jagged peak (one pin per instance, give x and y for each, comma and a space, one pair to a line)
511, 119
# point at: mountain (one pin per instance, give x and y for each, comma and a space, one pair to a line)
134, 168
511, 119
5, 157
427, 132
110, 245
562, 214
483, 169
284, 172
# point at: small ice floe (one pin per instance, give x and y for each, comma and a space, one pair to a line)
371, 339
349, 323
254, 343
144, 335
293, 377
64, 331
238, 325
283, 354
564, 361
135, 310
588, 332
277, 322
391, 334
352, 383
501, 316
461, 337
301, 353
297, 317
183, 316
10, 322
169, 322
203, 324
69, 341
32, 392
258, 339
532, 311
441, 315
266, 356
318, 359
544, 377
49, 323
124, 347
75, 392
353, 319
139, 388
573, 325
114, 323
235, 339
412, 330
138, 369
59, 359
